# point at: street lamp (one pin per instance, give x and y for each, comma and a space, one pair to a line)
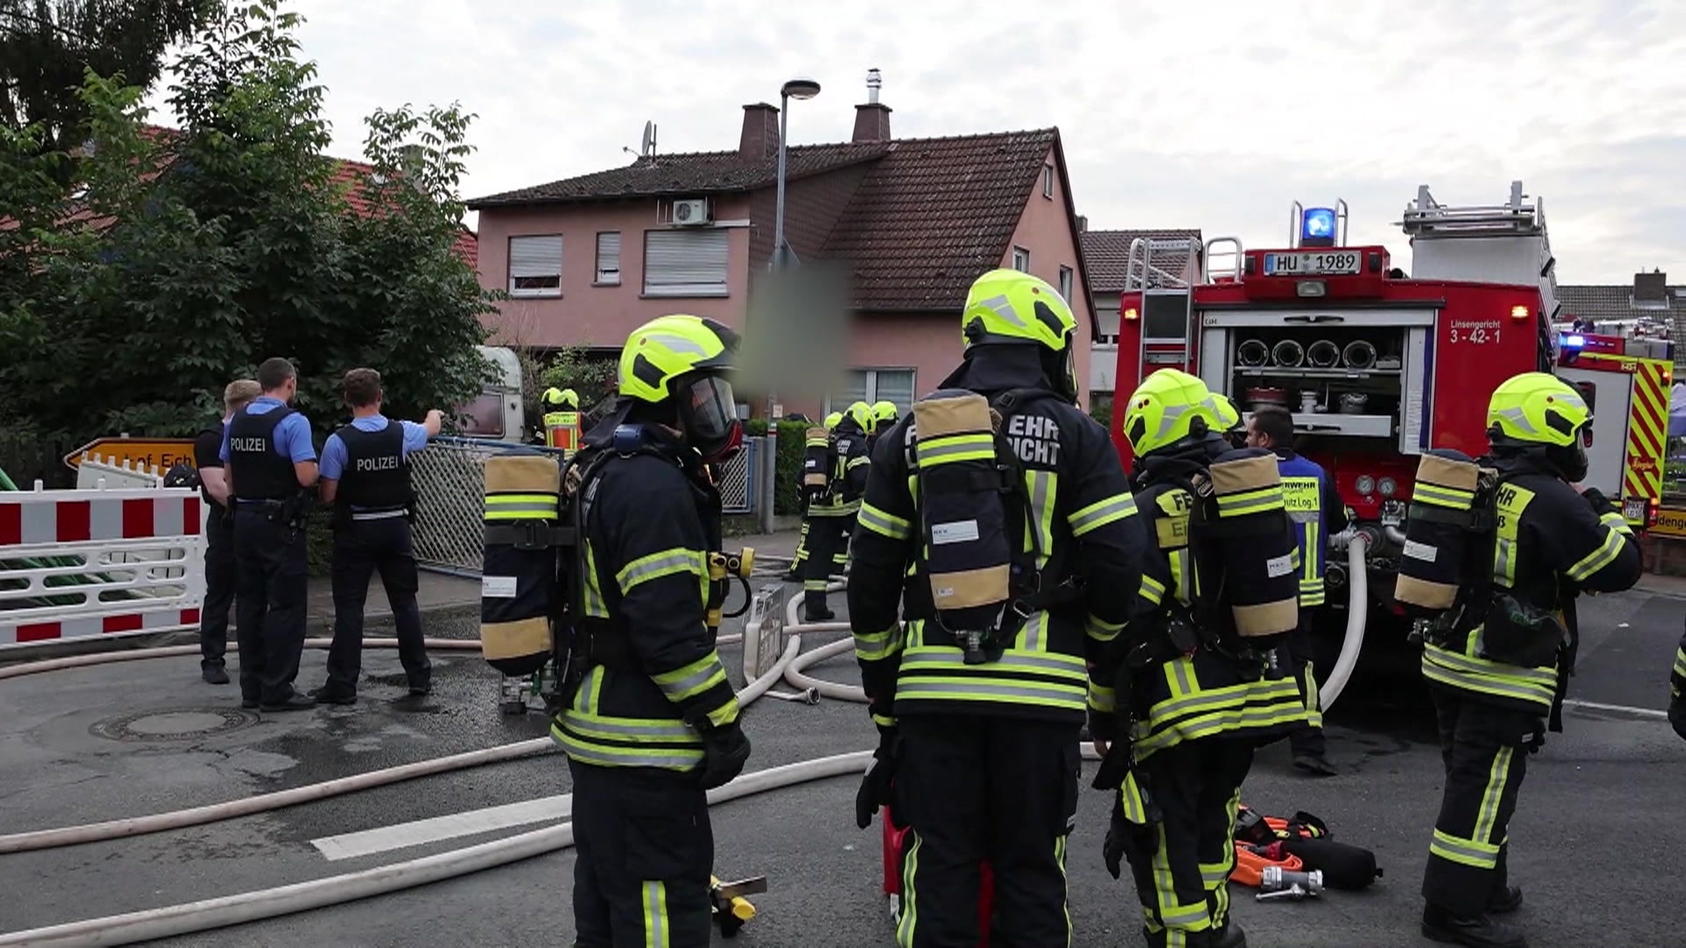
794, 89
799, 88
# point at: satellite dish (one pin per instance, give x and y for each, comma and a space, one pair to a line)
647, 147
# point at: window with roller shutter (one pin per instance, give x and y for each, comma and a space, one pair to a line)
535, 265
685, 262
875, 385
609, 258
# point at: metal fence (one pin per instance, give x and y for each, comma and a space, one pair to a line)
449, 478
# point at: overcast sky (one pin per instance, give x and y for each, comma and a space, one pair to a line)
1214, 114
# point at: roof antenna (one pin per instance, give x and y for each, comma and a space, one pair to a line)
874, 82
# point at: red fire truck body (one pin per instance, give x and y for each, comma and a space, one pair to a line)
1375, 366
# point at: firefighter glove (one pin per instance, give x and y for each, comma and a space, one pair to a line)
725, 751
1677, 714
875, 783
1112, 851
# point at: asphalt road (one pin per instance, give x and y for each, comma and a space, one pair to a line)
1596, 841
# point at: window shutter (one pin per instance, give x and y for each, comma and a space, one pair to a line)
895, 385
609, 257
535, 265
685, 262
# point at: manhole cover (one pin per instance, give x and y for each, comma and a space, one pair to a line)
174, 724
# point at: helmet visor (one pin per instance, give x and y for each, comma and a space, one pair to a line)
709, 414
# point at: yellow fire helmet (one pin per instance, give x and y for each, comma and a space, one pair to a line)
1539, 408
1164, 409
861, 414
833, 420
561, 399
883, 411
667, 347
1012, 306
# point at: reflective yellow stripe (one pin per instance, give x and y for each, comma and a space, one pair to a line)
1488, 814
521, 507
1680, 662
1250, 501
1131, 799
656, 933
1102, 631
884, 720
885, 523
1532, 685
1174, 915
1152, 589
1466, 852
1102, 512
1606, 554
1313, 714
910, 894
1438, 496
592, 594
1043, 488
951, 448
877, 646
1103, 699
693, 679
656, 565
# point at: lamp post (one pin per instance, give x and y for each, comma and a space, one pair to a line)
799, 88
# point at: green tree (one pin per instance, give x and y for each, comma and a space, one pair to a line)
590, 374
47, 46
188, 257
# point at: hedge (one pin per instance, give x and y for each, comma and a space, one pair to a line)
787, 464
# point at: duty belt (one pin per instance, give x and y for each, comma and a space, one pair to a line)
380, 513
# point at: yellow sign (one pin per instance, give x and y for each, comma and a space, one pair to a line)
1671, 522
161, 453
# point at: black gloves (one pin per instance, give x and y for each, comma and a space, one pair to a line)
1677, 714
725, 751
875, 784
1112, 851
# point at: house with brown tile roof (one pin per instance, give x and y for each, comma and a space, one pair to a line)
1649, 306
1106, 256
911, 222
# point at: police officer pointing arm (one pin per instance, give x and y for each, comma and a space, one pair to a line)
270, 465
366, 476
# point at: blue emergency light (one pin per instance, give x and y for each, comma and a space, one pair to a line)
1574, 342
1317, 227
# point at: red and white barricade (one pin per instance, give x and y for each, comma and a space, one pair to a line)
85, 563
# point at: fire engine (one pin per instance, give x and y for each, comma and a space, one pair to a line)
1377, 366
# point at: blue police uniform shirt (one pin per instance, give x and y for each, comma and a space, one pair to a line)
334, 454
292, 435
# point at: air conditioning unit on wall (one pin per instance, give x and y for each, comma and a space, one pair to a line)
691, 212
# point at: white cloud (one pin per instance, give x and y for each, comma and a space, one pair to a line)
1210, 114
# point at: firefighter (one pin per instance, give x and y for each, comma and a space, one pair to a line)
1317, 512
561, 419
1500, 667
883, 417
799, 562
831, 510
984, 753
1180, 700
270, 464
1677, 690
653, 722
366, 476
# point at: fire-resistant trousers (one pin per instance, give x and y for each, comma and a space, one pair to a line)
978, 788
643, 852
828, 553
1308, 737
1485, 750
1182, 863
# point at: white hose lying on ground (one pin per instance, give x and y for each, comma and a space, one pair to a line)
216, 812
181, 919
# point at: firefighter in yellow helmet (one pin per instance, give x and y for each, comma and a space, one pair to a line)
1499, 668
1182, 698
883, 416
561, 419
799, 563
979, 710
653, 722
832, 507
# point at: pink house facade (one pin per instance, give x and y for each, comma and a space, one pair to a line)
911, 222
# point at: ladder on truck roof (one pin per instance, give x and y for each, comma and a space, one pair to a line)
1164, 271
1522, 215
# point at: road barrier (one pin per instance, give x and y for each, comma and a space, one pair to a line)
85, 563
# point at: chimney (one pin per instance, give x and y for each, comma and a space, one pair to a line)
1082, 223
872, 120
760, 138
1651, 288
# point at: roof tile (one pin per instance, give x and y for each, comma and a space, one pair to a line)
1106, 253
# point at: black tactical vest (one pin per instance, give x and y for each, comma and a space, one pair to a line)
377, 475
260, 472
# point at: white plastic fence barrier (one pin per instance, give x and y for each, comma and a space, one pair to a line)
97, 473
85, 563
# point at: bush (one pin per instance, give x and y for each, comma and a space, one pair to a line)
787, 464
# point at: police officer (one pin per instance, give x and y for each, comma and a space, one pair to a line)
984, 755
366, 476
219, 534
1500, 668
1179, 701
831, 511
654, 722
270, 464
1317, 512
561, 419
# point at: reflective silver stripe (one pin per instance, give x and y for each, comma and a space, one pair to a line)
1468, 852
679, 758
1544, 677
1506, 687
1599, 558
1503, 552
630, 728
681, 684
522, 507
1032, 631
884, 523
1232, 696
378, 514
986, 691
661, 564
1101, 513
1012, 660
929, 454
1041, 510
